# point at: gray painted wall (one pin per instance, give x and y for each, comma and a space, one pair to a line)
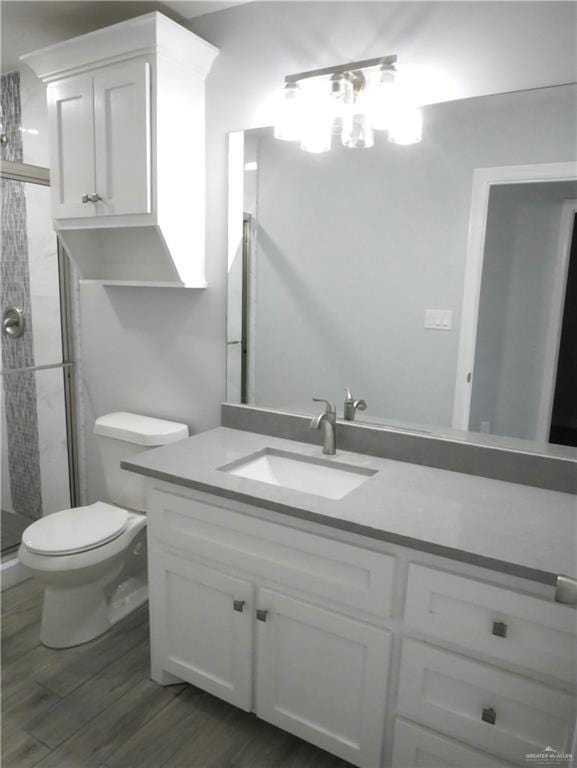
163, 351
486, 48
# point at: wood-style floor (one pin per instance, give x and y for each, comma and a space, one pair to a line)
94, 707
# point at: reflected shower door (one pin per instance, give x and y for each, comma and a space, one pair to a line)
36, 427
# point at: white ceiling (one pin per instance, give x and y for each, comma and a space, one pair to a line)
31, 24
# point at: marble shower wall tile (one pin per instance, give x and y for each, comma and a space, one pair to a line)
19, 391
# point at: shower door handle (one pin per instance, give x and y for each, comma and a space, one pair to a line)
13, 322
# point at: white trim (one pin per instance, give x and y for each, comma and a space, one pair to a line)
483, 180
12, 572
568, 211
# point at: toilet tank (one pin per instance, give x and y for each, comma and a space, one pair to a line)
121, 435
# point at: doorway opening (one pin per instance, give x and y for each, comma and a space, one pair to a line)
564, 413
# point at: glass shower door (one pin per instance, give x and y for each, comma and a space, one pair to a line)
36, 474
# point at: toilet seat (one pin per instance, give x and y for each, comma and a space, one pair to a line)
75, 530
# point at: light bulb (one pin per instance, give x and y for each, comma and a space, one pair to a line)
289, 122
406, 126
342, 97
384, 98
317, 135
318, 117
357, 130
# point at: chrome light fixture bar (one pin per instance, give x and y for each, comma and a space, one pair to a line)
350, 101
341, 69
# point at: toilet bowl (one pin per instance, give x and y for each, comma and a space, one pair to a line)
92, 559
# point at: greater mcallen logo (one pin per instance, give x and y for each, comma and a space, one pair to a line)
549, 756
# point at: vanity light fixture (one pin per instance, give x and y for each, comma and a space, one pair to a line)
350, 101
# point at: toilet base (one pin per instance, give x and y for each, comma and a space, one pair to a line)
75, 615
88, 592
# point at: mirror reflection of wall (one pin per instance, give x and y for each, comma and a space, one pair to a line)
354, 265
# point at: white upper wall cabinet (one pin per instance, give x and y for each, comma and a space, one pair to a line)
127, 145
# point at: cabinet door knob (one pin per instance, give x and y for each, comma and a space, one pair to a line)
489, 715
85, 198
94, 197
499, 629
238, 605
261, 614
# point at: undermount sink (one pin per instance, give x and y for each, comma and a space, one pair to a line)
333, 480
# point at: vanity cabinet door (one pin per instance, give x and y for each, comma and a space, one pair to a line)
322, 677
122, 138
204, 622
71, 119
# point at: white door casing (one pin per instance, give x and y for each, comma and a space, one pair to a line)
483, 180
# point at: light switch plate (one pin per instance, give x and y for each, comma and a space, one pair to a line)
439, 319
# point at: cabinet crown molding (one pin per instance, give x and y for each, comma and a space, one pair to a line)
150, 34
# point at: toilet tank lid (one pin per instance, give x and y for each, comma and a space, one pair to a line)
141, 430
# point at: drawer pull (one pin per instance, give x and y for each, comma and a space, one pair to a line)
238, 605
499, 629
489, 715
566, 590
261, 614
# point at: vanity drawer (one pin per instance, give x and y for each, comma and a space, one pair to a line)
342, 573
502, 713
416, 747
521, 629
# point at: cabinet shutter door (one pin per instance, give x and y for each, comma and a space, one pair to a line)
122, 138
322, 677
71, 117
205, 636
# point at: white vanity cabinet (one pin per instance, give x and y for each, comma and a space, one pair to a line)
100, 153
379, 654
230, 614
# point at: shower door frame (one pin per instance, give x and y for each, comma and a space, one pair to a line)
35, 174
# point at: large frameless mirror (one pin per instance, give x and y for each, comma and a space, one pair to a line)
436, 281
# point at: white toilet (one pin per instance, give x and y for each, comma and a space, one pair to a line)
92, 560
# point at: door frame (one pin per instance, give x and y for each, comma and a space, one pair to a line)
483, 180
36, 174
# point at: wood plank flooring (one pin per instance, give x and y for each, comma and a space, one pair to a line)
94, 706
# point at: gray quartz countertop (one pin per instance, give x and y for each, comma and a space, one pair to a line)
516, 529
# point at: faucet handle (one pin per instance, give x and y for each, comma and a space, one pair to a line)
348, 394
329, 407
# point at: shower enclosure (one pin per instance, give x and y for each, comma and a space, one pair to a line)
37, 470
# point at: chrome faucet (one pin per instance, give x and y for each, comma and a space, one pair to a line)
327, 421
352, 405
